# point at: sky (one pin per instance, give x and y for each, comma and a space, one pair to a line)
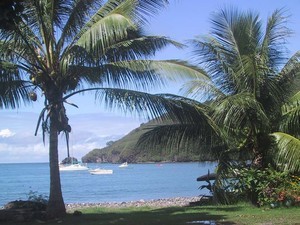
93, 125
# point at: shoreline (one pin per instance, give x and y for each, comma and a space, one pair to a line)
157, 203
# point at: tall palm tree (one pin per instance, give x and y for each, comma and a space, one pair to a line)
72, 46
246, 95
249, 68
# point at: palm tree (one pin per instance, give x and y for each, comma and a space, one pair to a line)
252, 78
68, 47
247, 97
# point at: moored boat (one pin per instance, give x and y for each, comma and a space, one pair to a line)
72, 167
123, 165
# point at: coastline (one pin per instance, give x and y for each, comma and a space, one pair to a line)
156, 203
141, 182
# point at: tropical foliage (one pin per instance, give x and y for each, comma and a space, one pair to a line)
269, 187
246, 107
62, 48
13, 90
252, 91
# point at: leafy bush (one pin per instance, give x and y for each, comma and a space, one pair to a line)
268, 186
35, 197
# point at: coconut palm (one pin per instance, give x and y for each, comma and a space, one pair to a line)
248, 65
251, 82
68, 47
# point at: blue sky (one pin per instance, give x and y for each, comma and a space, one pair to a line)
92, 125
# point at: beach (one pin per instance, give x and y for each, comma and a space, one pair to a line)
156, 203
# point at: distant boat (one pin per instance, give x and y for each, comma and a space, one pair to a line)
99, 171
72, 167
123, 165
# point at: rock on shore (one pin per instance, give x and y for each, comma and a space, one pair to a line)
157, 203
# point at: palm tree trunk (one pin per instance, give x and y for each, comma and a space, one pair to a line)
56, 207
260, 150
258, 160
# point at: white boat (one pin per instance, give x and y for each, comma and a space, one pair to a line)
72, 167
123, 165
99, 171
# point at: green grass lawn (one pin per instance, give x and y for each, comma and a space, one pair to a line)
229, 215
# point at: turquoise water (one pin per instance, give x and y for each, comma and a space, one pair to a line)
136, 182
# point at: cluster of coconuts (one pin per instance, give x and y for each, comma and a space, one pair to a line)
33, 96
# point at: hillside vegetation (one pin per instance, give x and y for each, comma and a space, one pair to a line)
125, 149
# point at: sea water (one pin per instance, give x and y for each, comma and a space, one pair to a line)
135, 182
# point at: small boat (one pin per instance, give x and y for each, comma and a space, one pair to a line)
99, 171
72, 167
123, 165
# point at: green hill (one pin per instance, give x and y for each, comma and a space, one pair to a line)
125, 150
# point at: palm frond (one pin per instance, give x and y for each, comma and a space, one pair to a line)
115, 10
289, 77
75, 14
132, 75
275, 38
173, 137
295, 99
137, 10
201, 89
13, 90
239, 44
42, 11
138, 47
224, 29
288, 151
24, 48
148, 8
149, 105
105, 32
259, 79
139, 74
213, 57
239, 111
291, 115
116, 17
176, 68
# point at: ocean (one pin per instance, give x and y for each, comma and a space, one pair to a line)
136, 182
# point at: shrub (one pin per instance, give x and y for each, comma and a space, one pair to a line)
267, 186
35, 197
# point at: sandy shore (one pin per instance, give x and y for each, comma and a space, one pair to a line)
159, 203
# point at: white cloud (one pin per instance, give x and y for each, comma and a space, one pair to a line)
5, 133
89, 131
23, 153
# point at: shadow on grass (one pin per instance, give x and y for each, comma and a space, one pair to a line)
143, 216
165, 216
224, 208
